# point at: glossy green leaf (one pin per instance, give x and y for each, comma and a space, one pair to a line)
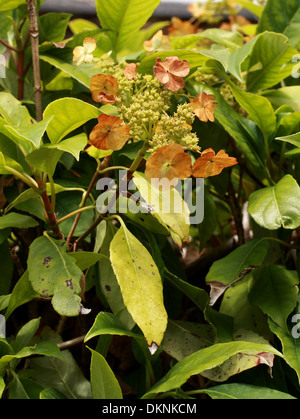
259, 109
277, 206
275, 292
140, 283
52, 272
72, 70
109, 324
292, 139
124, 17
204, 359
103, 381
282, 16
239, 391
43, 348
46, 157
167, 206
17, 221
274, 55
290, 344
68, 114
224, 272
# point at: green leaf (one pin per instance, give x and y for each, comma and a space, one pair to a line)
167, 206
15, 220
253, 8
46, 157
228, 39
241, 391
290, 344
80, 25
103, 381
52, 272
53, 26
197, 295
85, 260
25, 334
204, 359
62, 374
109, 324
292, 139
51, 393
18, 124
277, 206
11, 4
246, 141
289, 95
72, 70
273, 53
283, 17
259, 109
21, 294
226, 271
43, 348
140, 284
275, 292
68, 114
123, 18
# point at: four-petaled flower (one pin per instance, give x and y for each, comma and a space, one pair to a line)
170, 162
104, 88
109, 133
84, 54
204, 107
130, 71
171, 72
212, 164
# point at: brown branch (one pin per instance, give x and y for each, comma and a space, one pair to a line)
34, 33
8, 46
51, 216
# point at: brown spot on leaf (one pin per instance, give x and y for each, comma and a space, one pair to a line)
69, 283
108, 287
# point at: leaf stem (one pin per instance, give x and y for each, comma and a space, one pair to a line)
76, 212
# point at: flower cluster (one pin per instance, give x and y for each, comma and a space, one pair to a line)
144, 101
176, 129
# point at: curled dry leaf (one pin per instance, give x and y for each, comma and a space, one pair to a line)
204, 107
109, 133
130, 71
84, 54
171, 72
104, 88
158, 41
212, 164
170, 162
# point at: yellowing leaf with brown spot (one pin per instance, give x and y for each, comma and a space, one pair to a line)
140, 283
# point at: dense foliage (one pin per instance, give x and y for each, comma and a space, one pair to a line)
105, 294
